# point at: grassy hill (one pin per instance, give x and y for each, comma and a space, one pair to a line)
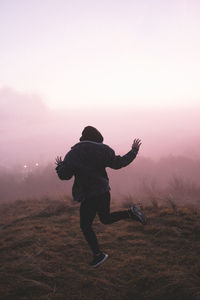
43, 254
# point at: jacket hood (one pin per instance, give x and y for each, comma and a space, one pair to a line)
90, 133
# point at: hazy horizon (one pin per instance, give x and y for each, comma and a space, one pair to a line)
30, 131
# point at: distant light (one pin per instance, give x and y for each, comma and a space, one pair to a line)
25, 166
36, 164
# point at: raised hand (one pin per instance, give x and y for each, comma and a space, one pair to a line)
136, 144
58, 160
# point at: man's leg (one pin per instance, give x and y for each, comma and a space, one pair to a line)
103, 210
87, 215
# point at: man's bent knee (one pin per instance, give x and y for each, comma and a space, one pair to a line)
105, 220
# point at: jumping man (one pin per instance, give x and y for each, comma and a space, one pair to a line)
87, 161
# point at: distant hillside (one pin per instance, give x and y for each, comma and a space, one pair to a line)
43, 254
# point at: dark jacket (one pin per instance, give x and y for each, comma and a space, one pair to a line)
87, 162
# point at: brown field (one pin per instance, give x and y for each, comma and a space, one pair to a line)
43, 254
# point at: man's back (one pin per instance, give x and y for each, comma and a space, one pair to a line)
88, 156
87, 161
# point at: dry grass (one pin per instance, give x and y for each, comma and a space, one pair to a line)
43, 254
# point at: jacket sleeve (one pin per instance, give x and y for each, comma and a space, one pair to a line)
117, 162
64, 170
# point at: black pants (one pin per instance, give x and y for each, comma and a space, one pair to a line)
101, 206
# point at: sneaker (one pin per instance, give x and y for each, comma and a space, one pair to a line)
136, 214
98, 259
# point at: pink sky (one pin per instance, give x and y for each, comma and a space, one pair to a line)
78, 54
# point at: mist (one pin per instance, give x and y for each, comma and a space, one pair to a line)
31, 132
32, 135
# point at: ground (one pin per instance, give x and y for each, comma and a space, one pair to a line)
43, 254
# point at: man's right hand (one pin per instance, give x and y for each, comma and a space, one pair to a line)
136, 144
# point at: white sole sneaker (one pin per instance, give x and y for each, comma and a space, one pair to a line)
137, 213
99, 262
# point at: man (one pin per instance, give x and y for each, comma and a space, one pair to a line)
86, 161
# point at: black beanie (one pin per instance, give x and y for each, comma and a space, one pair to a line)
91, 134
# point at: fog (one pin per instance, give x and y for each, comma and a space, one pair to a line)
32, 135
30, 131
